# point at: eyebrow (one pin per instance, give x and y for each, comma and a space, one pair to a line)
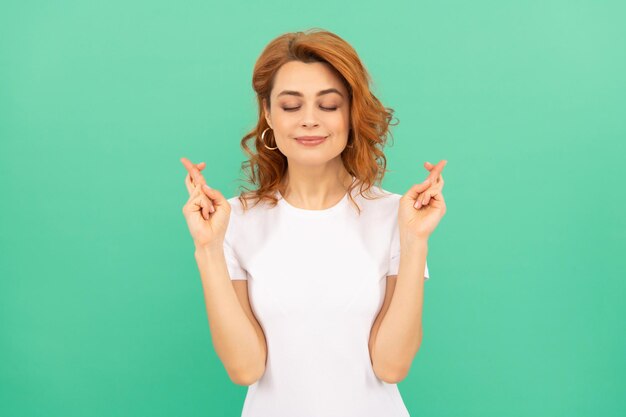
299, 94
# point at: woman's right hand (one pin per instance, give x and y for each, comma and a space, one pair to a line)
207, 211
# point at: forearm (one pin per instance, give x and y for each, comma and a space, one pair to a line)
400, 333
234, 338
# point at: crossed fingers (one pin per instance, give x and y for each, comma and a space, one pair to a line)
436, 180
435, 173
194, 176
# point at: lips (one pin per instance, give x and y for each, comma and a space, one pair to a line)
310, 137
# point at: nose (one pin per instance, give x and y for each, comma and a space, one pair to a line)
308, 119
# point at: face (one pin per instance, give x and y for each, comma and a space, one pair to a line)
301, 106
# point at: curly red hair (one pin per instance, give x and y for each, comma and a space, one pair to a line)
369, 119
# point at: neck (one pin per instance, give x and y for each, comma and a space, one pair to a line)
315, 187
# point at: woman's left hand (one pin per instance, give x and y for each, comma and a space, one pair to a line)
423, 206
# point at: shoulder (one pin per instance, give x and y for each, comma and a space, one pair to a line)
251, 212
380, 199
247, 227
384, 194
235, 204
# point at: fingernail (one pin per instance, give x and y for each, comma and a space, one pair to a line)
212, 210
417, 205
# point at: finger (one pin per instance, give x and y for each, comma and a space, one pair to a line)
190, 167
195, 203
413, 192
196, 197
430, 194
203, 202
419, 201
436, 197
205, 189
188, 184
424, 197
436, 171
196, 176
217, 199
429, 167
205, 210
202, 205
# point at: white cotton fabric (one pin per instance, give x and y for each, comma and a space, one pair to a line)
316, 282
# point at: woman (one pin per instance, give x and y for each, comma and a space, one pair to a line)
297, 304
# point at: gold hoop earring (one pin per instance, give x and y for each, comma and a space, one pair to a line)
263, 140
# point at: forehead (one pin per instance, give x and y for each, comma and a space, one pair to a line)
308, 78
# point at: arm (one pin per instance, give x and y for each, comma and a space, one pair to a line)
389, 290
399, 333
236, 341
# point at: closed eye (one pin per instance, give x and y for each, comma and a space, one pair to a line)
321, 107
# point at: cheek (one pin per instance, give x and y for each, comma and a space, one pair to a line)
346, 119
284, 123
341, 123
336, 119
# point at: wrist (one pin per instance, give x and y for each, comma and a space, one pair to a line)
413, 242
209, 249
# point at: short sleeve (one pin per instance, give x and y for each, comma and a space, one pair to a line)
235, 270
394, 257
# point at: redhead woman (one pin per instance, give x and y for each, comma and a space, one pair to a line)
314, 278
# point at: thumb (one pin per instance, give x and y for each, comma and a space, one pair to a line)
416, 189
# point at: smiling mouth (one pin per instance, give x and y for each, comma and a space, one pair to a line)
311, 138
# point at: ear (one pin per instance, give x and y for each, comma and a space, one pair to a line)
266, 113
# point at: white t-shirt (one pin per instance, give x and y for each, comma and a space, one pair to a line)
316, 282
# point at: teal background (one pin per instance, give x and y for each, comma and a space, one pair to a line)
101, 305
